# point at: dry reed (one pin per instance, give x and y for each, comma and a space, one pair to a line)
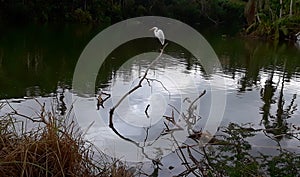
54, 148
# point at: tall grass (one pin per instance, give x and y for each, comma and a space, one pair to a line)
56, 147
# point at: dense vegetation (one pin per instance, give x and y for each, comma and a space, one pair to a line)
264, 18
276, 19
217, 11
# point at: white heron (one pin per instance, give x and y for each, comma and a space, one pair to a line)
159, 34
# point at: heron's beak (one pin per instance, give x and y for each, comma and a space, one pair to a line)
151, 29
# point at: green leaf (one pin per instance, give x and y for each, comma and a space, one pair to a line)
284, 30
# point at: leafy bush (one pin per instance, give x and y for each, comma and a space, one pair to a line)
82, 16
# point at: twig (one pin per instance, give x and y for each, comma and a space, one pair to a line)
190, 107
172, 120
212, 20
191, 118
146, 110
278, 143
100, 100
147, 134
149, 79
174, 108
15, 112
184, 159
207, 157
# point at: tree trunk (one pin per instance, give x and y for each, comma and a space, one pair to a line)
250, 10
280, 13
291, 8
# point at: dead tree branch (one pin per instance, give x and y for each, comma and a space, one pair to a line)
111, 112
100, 100
146, 111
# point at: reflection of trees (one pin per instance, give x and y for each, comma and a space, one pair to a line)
60, 97
252, 67
34, 59
39, 56
254, 57
244, 59
250, 59
124, 64
276, 124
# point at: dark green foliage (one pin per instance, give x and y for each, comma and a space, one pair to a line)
53, 10
273, 20
234, 158
82, 16
86, 11
228, 11
285, 164
231, 156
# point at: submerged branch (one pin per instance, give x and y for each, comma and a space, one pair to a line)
100, 100
192, 104
146, 111
15, 112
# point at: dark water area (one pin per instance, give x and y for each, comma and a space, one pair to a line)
35, 58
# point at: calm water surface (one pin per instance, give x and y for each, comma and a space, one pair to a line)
262, 81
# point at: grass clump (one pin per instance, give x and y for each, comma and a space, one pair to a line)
55, 148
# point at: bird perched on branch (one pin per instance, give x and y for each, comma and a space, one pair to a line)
159, 34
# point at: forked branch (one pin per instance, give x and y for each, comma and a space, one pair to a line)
111, 112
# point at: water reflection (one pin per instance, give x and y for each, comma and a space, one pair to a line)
267, 66
277, 124
259, 68
60, 97
39, 55
261, 77
262, 83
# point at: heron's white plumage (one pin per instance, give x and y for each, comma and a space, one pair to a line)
159, 34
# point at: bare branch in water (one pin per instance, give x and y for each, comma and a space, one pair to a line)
172, 120
192, 104
146, 111
100, 100
190, 118
111, 112
15, 112
152, 80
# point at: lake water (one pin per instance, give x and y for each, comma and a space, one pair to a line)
260, 80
